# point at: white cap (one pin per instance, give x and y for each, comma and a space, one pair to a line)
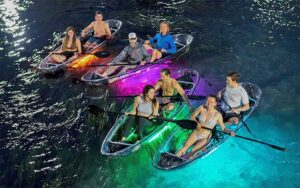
132, 36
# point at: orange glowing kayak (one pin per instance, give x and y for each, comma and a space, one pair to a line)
49, 66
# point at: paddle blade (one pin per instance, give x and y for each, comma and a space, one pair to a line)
102, 54
278, 148
187, 124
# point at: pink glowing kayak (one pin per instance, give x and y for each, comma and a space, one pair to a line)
95, 77
49, 66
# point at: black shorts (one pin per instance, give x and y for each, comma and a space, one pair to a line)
227, 116
68, 54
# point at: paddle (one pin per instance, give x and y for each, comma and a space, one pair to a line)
241, 119
193, 97
210, 84
250, 139
114, 64
184, 123
100, 54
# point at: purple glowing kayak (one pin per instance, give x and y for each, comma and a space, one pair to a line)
95, 77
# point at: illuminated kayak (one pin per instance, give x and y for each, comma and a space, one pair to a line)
50, 66
95, 77
112, 144
165, 158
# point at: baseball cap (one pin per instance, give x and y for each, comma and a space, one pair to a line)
132, 36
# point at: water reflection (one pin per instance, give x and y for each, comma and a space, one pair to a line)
276, 14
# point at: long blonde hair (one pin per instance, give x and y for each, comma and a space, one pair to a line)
67, 38
164, 22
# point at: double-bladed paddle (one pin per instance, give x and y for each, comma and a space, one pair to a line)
250, 139
192, 97
100, 54
184, 123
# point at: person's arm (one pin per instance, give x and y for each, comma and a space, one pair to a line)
155, 109
146, 56
78, 45
157, 86
154, 40
182, 94
107, 30
220, 93
121, 56
89, 27
135, 104
172, 46
222, 125
195, 114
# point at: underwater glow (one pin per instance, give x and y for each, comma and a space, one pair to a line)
83, 61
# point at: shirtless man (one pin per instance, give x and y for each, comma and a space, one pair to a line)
234, 99
101, 30
170, 87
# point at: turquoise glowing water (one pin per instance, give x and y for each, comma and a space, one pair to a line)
48, 138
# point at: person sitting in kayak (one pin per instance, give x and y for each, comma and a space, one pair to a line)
101, 31
164, 42
70, 45
145, 105
170, 87
134, 54
206, 116
234, 99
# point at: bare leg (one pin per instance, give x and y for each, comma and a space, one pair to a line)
58, 58
199, 145
154, 56
189, 142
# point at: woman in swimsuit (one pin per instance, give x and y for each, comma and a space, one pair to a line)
144, 105
70, 46
208, 117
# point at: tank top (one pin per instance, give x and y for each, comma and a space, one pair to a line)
145, 107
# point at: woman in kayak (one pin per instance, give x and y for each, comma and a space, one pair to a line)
208, 117
70, 45
144, 105
164, 43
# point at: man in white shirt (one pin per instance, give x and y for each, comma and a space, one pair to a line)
234, 98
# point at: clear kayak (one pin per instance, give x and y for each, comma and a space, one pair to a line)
165, 158
48, 65
112, 144
95, 77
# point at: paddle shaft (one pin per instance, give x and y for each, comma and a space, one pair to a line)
193, 97
186, 124
241, 119
250, 139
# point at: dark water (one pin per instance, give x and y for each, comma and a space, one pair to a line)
48, 138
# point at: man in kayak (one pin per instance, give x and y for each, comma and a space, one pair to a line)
100, 28
170, 87
163, 41
134, 54
234, 99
